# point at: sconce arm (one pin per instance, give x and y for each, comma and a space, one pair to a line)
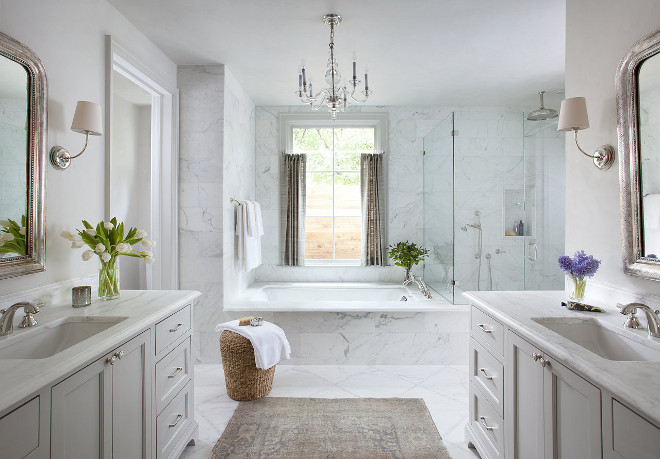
87, 142
604, 156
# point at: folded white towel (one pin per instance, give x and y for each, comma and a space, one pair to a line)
257, 213
268, 340
251, 221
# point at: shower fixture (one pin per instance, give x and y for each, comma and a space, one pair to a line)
477, 255
490, 273
338, 92
542, 113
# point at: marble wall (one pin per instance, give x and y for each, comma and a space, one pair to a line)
201, 90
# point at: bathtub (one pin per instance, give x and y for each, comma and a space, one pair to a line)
335, 297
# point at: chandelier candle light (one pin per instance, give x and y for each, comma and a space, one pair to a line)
336, 95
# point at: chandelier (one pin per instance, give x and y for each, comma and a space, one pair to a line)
336, 95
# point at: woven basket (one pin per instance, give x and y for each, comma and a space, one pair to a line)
243, 379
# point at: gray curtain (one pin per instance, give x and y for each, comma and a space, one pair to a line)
293, 194
373, 209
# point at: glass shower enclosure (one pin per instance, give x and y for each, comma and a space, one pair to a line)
494, 199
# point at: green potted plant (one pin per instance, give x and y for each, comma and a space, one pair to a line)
407, 255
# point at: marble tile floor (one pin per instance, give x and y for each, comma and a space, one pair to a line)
444, 388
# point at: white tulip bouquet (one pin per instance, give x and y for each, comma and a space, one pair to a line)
108, 241
12, 236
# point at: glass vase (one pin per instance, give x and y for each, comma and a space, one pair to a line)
579, 286
108, 281
409, 278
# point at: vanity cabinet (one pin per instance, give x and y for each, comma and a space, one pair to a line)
104, 410
524, 404
551, 411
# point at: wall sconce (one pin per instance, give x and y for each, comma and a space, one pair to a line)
573, 117
86, 120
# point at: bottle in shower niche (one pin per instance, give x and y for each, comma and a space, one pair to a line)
515, 229
521, 228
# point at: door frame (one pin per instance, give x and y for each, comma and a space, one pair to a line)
164, 274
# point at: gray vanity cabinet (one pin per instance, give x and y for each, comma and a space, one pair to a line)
551, 411
104, 410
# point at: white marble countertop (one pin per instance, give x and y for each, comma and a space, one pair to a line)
21, 378
636, 384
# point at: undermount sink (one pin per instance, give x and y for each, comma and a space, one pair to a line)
600, 340
47, 340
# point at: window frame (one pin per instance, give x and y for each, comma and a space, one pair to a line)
290, 121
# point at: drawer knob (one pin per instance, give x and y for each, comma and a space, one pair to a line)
172, 330
485, 424
176, 421
483, 371
119, 355
176, 372
536, 356
545, 363
111, 360
486, 330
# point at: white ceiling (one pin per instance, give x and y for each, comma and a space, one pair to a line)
421, 52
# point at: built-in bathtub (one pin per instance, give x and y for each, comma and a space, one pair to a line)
336, 297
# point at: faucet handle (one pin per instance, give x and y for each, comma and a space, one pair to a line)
633, 321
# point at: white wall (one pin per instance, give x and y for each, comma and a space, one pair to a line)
598, 35
69, 38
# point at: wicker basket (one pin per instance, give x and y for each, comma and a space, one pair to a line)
243, 379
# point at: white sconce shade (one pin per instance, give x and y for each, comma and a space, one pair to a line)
87, 119
573, 114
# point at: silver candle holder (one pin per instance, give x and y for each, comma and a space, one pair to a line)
81, 296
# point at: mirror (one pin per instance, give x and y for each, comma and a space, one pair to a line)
638, 107
23, 125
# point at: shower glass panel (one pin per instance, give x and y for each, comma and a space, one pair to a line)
493, 203
439, 208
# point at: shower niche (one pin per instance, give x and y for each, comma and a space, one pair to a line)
517, 212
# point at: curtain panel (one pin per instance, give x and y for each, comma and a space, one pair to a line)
293, 196
373, 209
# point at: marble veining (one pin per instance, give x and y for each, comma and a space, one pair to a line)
636, 384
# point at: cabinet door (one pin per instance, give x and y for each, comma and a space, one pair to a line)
572, 414
81, 414
131, 399
523, 399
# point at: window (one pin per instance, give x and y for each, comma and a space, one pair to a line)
333, 220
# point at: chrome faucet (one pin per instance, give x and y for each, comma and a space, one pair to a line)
421, 285
652, 318
7, 318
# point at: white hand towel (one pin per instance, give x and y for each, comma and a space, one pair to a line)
240, 235
248, 254
257, 213
252, 229
651, 205
268, 340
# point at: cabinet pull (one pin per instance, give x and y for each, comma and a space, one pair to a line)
178, 370
119, 355
172, 330
176, 421
545, 363
483, 327
536, 356
111, 360
483, 370
487, 427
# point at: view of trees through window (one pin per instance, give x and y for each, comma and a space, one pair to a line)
332, 222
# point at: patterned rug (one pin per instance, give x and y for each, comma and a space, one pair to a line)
331, 428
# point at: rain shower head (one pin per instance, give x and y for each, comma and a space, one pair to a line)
542, 113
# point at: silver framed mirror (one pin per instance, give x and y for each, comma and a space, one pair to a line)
638, 112
23, 131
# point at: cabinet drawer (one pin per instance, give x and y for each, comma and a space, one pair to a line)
174, 422
172, 373
487, 330
172, 328
19, 430
634, 436
487, 373
487, 425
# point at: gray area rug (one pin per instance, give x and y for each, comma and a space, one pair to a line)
374, 428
